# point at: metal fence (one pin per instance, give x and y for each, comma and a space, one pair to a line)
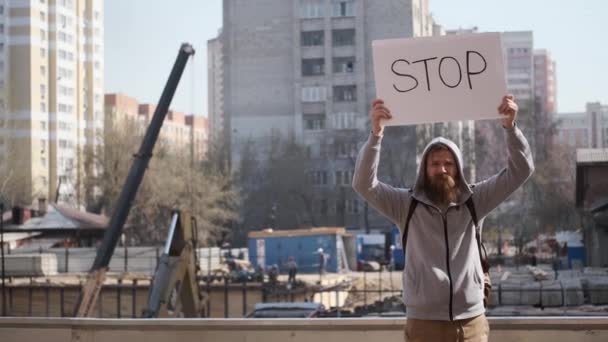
127, 298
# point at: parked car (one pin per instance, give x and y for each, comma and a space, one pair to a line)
287, 310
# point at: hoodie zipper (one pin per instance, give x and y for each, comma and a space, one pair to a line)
447, 261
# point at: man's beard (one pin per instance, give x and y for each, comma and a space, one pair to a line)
442, 189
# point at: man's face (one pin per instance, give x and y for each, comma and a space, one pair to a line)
441, 162
442, 177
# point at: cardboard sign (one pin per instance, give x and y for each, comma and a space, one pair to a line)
436, 79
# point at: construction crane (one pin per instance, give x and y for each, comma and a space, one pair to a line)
90, 290
174, 290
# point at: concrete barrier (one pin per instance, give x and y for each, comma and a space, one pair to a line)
592, 329
573, 292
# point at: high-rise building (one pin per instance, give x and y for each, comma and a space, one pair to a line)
518, 48
215, 90
51, 93
303, 69
519, 60
545, 81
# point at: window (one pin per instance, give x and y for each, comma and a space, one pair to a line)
352, 206
1, 9
1, 47
312, 38
344, 64
43, 125
323, 206
42, 16
343, 37
319, 177
42, 90
63, 143
345, 120
311, 10
43, 107
42, 53
1, 28
314, 121
42, 70
42, 35
344, 178
313, 66
313, 94
345, 93
343, 9
66, 91
344, 149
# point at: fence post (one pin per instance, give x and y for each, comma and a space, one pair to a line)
67, 260
499, 294
134, 298
29, 298
209, 297
364, 288
380, 284
61, 300
118, 295
10, 300
225, 297
244, 298
338, 303
47, 296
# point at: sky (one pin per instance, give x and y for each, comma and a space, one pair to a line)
142, 38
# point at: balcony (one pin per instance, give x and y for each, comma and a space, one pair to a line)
295, 330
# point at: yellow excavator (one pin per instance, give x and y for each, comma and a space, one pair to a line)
174, 291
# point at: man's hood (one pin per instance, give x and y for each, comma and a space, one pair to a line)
465, 190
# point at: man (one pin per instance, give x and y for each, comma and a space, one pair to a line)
292, 268
443, 278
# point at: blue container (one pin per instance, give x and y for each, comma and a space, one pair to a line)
274, 248
576, 255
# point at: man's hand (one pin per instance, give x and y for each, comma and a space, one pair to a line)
378, 113
509, 109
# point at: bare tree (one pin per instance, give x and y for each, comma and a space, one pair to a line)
173, 181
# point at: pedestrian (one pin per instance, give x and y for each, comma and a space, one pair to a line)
443, 280
292, 269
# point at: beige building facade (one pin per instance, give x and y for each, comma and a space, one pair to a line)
51, 93
180, 132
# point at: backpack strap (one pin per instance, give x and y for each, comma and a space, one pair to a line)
410, 212
483, 257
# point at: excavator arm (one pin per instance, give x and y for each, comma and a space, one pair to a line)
174, 289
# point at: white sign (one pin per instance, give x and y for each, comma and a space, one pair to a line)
436, 79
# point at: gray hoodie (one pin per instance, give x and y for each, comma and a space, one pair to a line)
442, 279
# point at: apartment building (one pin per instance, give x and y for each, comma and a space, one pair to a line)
51, 95
180, 132
302, 70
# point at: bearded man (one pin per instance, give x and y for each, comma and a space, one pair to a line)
443, 278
